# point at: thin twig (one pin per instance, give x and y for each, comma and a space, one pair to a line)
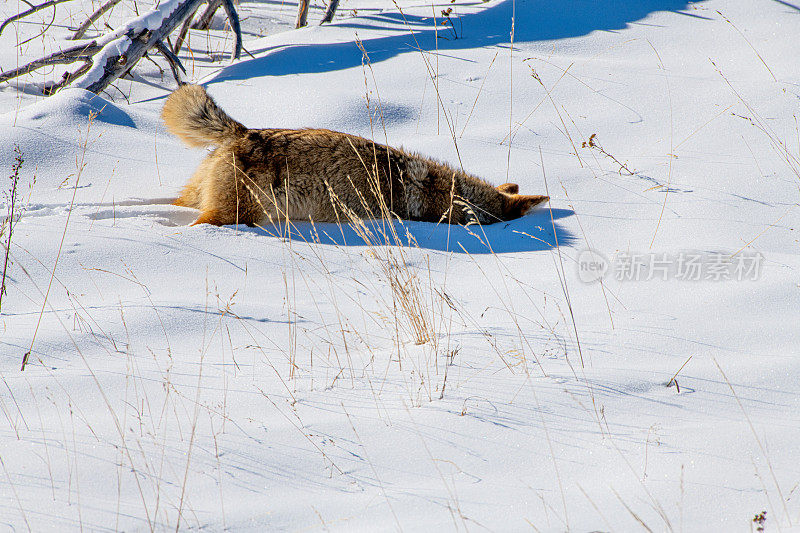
81, 166
671, 154
561, 262
758, 441
67, 78
30, 11
749, 44
42, 32
16, 496
93, 18
674, 378
480, 89
64, 57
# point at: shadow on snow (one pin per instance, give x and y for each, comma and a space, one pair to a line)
529, 233
534, 20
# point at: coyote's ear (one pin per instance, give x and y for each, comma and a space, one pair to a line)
508, 188
519, 204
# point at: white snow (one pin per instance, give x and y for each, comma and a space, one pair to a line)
231, 378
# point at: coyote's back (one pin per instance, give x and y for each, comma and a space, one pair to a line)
265, 175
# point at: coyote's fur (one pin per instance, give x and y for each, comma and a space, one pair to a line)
267, 175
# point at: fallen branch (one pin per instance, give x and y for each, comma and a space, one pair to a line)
203, 22
329, 12
233, 20
116, 53
176, 49
64, 57
93, 18
172, 60
302, 14
67, 78
30, 11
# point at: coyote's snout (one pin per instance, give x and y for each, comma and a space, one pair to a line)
257, 176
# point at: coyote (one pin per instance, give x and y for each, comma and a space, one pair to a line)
267, 175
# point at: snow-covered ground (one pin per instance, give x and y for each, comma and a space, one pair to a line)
232, 378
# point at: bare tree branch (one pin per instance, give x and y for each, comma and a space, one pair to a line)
126, 46
172, 59
302, 14
233, 19
68, 78
182, 34
116, 53
329, 12
203, 22
93, 18
65, 57
30, 11
42, 32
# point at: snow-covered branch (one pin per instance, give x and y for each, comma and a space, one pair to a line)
110, 56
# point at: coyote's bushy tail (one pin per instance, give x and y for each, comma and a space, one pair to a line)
192, 115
